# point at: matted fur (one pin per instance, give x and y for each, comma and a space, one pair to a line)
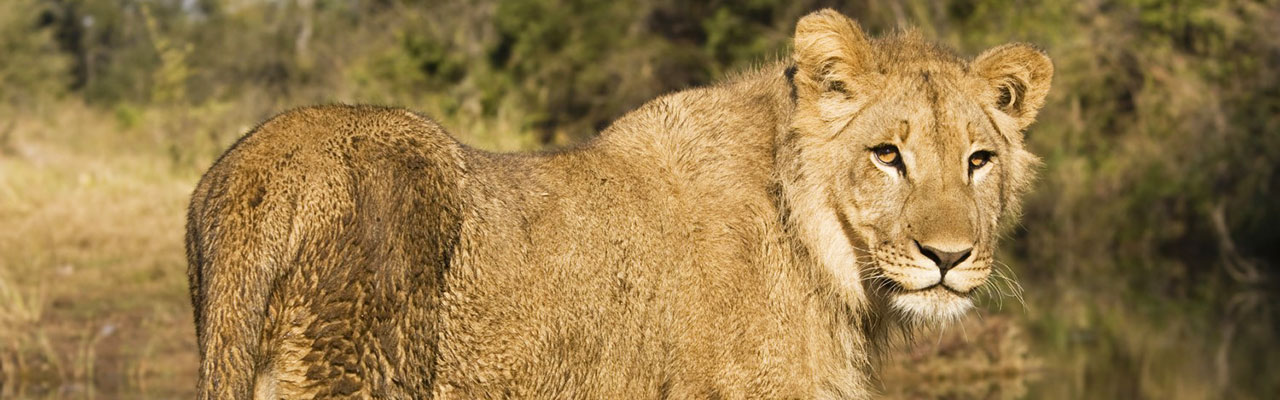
732, 241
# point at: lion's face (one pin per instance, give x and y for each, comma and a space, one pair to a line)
912, 160
923, 184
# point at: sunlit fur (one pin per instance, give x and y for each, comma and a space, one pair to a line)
731, 241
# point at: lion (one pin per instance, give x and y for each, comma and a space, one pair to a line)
753, 239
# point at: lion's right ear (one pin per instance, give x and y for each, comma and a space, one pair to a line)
830, 50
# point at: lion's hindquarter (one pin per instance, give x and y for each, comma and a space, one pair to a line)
317, 246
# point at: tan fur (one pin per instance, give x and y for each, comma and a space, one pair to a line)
732, 241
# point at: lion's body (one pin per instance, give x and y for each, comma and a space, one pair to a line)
396, 262
350, 251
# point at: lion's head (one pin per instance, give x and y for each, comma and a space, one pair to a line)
906, 160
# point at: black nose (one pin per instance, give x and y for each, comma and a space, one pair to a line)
944, 259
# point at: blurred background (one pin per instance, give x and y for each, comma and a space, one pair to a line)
1148, 253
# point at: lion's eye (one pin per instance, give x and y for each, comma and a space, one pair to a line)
979, 159
887, 154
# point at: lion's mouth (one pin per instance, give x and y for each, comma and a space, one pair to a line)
939, 286
943, 286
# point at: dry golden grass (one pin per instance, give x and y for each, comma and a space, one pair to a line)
92, 274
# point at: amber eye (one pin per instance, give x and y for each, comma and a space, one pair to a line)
887, 154
979, 159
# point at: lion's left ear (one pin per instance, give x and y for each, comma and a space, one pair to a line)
1019, 76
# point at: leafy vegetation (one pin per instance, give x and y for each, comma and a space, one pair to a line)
1148, 250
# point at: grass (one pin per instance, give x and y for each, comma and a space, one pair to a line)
92, 274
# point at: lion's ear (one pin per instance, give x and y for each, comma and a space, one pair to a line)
830, 49
1019, 76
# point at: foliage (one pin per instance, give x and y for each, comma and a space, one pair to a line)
32, 65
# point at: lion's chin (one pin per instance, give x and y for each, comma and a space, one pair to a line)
934, 305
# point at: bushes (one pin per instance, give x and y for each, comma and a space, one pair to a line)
32, 67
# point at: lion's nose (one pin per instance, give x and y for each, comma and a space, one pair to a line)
942, 258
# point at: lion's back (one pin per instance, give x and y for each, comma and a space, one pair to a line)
325, 230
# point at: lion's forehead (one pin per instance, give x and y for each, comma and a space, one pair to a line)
939, 121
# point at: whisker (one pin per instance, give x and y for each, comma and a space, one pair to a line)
1012, 283
1005, 286
941, 334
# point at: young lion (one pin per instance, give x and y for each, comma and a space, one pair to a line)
753, 239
